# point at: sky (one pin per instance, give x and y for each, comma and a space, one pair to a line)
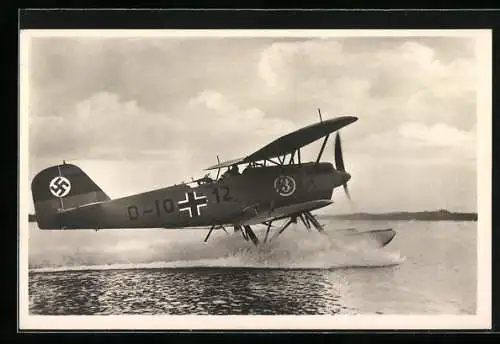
137, 113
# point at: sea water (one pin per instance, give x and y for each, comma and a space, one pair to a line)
428, 268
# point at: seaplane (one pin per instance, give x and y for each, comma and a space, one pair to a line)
274, 185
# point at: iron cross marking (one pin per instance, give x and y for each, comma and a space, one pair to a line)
192, 203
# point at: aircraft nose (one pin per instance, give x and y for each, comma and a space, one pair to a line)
347, 177
342, 178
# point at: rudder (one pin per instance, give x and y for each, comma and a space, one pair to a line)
62, 187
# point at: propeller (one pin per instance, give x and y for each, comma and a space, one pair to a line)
339, 162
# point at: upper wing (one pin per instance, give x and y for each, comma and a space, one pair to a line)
293, 141
253, 217
227, 163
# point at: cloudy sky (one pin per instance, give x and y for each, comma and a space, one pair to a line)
140, 113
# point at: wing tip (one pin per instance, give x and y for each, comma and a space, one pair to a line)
347, 118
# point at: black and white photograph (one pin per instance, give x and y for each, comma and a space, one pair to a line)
253, 179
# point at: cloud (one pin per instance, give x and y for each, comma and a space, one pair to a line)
417, 144
227, 118
278, 61
405, 81
100, 126
105, 126
178, 103
439, 134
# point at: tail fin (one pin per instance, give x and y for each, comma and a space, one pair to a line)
59, 188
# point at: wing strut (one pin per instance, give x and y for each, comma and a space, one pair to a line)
314, 221
305, 221
218, 171
250, 234
322, 148
267, 231
288, 223
212, 228
209, 232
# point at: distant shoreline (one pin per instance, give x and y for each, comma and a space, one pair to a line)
439, 215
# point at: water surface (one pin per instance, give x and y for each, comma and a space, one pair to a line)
429, 268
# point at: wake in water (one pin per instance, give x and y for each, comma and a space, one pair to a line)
294, 249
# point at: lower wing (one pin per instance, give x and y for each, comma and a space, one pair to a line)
253, 217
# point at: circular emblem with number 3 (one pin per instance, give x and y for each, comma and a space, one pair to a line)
60, 186
284, 185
